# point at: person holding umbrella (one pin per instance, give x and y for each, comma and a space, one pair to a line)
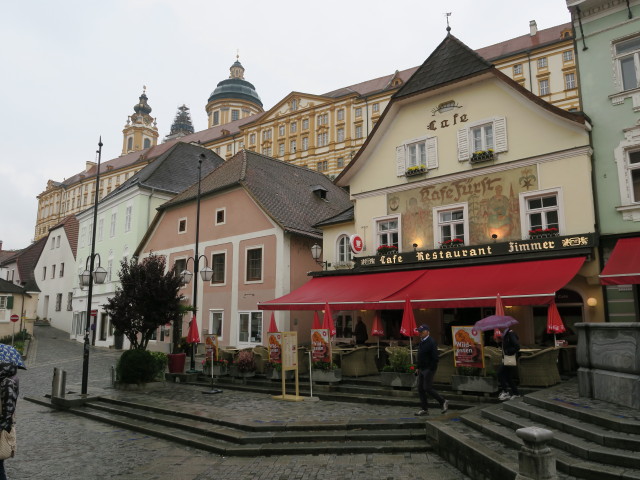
510, 346
427, 366
10, 361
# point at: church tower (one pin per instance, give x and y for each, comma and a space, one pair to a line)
182, 124
141, 131
234, 98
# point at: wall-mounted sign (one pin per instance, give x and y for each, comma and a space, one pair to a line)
491, 250
356, 242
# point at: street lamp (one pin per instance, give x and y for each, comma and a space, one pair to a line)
87, 279
316, 253
206, 273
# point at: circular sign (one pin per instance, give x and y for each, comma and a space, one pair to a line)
356, 243
14, 318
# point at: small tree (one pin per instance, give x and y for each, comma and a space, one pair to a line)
146, 299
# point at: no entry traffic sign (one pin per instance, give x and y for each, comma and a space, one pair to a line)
14, 318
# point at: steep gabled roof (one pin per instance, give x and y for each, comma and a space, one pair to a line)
284, 191
71, 227
8, 287
174, 170
26, 260
346, 216
451, 60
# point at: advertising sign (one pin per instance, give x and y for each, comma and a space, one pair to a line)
211, 347
467, 347
356, 243
289, 350
275, 347
320, 345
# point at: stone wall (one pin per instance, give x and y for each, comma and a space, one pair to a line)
608, 358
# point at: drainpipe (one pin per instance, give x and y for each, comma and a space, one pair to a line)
530, 73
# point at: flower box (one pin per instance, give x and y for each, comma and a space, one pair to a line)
398, 380
482, 156
453, 243
234, 371
326, 376
543, 233
387, 249
411, 171
465, 383
276, 374
218, 370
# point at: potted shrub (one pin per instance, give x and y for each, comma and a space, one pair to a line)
472, 379
274, 371
177, 358
244, 365
326, 372
399, 372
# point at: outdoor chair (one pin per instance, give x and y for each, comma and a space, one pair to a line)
354, 363
446, 368
539, 369
261, 358
371, 359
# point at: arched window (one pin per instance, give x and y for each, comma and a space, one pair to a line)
147, 143
343, 250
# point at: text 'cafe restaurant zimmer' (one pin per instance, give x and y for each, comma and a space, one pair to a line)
458, 286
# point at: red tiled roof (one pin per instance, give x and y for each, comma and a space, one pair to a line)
544, 37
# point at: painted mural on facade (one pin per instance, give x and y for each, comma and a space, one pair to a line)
492, 201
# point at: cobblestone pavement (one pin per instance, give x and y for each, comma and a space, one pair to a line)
53, 444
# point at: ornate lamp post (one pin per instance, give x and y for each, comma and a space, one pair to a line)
87, 279
206, 273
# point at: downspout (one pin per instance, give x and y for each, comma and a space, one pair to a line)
149, 206
366, 102
530, 72
629, 10
584, 43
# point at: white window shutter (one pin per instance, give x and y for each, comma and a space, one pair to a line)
432, 152
463, 145
500, 134
400, 161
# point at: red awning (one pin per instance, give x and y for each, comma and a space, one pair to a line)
348, 292
523, 283
623, 266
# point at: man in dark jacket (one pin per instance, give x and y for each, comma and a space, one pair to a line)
427, 366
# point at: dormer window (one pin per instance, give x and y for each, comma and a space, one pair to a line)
319, 191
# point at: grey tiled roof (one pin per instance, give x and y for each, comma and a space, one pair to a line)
346, 216
284, 191
451, 60
8, 287
174, 170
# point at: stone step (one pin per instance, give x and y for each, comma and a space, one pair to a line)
560, 422
262, 441
504, 440
623, 419
566, 442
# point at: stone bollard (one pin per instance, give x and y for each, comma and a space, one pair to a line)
536, 462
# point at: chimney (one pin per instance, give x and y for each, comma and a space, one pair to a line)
533, 28
0, 245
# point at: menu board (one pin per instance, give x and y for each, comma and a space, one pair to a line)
211, 347
467, 347
275, 347
320, 345
289, 350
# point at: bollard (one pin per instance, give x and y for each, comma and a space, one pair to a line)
535, 460
113, 375
59, 383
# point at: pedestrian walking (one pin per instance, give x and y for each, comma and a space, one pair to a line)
10, 361
361, 332
510, 349
427, 366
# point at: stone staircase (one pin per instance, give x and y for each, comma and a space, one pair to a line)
193, 426
592, 440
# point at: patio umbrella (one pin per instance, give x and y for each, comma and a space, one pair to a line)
554, 322
10, 355
377, 330
499, 306
327, 322
495, 321
193, 336
273, 328
316, 322
408, 325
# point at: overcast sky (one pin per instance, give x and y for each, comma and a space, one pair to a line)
72, 70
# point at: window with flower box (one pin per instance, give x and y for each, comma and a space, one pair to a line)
388, 231
481, 140
542, 212
416, 156
451, 225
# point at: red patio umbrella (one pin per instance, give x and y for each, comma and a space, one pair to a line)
554, 322
273, 328
408, 326
377, 330
316, 321
499, 311
327, 322
193, 336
